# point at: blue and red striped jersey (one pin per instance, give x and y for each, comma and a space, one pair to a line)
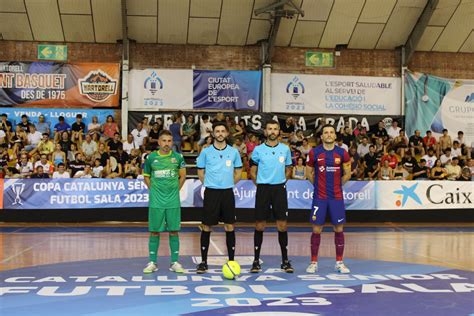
328, 171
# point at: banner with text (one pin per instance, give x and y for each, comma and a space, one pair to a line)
433, 103
57, 84
255, 121
156, 89
296, 93
227, 89
51, 115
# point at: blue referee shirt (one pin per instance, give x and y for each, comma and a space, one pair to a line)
271, 162
219, 165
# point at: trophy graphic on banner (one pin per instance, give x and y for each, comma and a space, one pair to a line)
18, 188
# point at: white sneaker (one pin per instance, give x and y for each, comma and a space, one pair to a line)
176, 267
150, 268
312, 268
341, 267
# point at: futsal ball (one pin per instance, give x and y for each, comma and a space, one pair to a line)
231, 269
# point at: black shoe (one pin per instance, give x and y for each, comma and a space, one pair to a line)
256, 268
286, 266
201, 268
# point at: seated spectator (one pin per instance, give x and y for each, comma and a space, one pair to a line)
394, 130
456, 150
45, 146
240, 146
399, 173
98, 169
429, 141
409, 162
205, 128
89, 148
416, 144
60, 127
33, 138
190, 131
58, 156
121, 157
380, 147
295, 153
251, 144
4, 156
438, 172
430, 158
340, 143
358, 133
43, 162
42, 126
391, 158
356, 166
5, 124
209, 141
347, 137
129, 144
153, 136
94, 129
465, 174
104, 157
114, 144
84, 174
386, 172
287, 127
72, 153
77, 165
299, 171
109, 128
139, 135
133, 167
371, 164
444, 141
18, 139
421, 171
25, 168
39, 174
380, 132
453, 169
24, 123
400, 144
305, 148
116, 169
61, 172
65, 142
363, 147
177, 132
78, 129
146, 124
446, 157
3, 137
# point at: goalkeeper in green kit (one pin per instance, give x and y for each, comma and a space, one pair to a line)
165, 174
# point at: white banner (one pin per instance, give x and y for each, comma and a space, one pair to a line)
412, 195
295, 93
156, 89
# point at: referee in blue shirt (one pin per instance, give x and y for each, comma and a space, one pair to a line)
219, 168
271, 167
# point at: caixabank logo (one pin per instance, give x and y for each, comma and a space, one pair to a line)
98, 86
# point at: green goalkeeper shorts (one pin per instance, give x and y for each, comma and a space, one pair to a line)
164, 220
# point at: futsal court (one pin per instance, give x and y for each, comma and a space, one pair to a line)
97, 269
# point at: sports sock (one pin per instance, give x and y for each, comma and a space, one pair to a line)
315, 241
230, 241
205, 239
283, 240
339, 242
174, 247
257, 242
153, 245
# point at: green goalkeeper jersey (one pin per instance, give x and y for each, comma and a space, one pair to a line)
163, 171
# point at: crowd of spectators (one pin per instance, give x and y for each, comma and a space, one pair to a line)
97, 150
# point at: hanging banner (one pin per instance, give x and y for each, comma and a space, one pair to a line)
227, 89
156, 89
433, 103
296, 93
57, 84
51, 116
255, 121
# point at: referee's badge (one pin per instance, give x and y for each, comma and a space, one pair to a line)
228, 163
281, 159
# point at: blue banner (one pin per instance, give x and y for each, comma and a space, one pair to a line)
114, 193
227, 89
51, 115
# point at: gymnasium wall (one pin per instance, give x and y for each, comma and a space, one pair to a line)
286, 59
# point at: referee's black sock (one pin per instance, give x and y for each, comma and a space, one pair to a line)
230, 241
283, 240
257, 242
205, 238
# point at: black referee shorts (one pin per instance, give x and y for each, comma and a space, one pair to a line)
271, 200
219, 206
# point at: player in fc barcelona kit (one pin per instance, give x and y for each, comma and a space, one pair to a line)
329, 167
